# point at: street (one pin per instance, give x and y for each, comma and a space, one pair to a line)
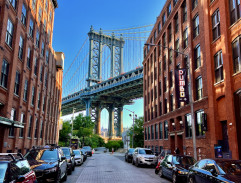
105, 168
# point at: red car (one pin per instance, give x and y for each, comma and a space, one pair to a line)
14, 168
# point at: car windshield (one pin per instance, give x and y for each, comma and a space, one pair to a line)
131, 150
87, 147
76, 152
3, 168
183, 160
66, 152
231, 167
145, 151
49, 155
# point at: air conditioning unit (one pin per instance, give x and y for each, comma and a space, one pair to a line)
59, 56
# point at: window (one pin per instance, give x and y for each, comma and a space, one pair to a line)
152, 131
46, 79
20, 49
170, 56
13, 3
30, 126
185, 38
174, 2
17, 83
149, 133
165, 105
39, 95
216, 24
45, 24
170, 33
47, 56
46, 6
159, 27
171, 102
163, 19
176, 23
160, 131
33, 4
169, 9
36, 129
160, 108
33, 90
31, 27
37, 39
24, 14
184, 11
194, 4
170, 79
196, 26
177, 47
165, 84
22, 120
188, 125
25, 93
13, 118
235, 10
4, 74
236, 45
43, 103
160, 88
41, 129
36, 66
156, 130
9, 33
165, 130
199, 122
199, 88
28, 57
145, 133
164, 39
50, 16
164, 62
218, 64
42, 50
197, 56
41, 73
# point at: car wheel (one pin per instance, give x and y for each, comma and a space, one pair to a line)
125, 159
65, 176
129, 160
58, 179
174, 178
133, 161
73, 167
137, 164
191, 180
70, 171
161, 172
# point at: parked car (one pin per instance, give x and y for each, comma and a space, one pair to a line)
160, 158
215, 170
88, 150
79, 157
100, 149
69, 154
143, 156
84, 153
176, 167
48, 163
129, 155
14, 168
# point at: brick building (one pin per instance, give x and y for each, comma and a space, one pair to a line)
209, 32
31, 75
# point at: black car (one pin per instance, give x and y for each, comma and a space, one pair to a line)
176, 167
48, 163
215, 170
15, 168
84, 153
69, 154
128, 155
88, 150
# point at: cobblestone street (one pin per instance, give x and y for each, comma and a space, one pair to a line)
108, 168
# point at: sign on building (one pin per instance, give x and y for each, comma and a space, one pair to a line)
181, 84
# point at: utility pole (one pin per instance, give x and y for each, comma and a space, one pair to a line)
133, 115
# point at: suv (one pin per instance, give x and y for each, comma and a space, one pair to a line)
48, 163
14, 168
143, 156
88, 150
69, 154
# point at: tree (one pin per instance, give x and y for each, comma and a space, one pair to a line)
64, 137
138, 133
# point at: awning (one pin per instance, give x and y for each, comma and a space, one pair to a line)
10, 123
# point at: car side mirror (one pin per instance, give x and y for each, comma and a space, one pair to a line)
63, 158
20, 179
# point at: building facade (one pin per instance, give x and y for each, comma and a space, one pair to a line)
208, 31
31, 75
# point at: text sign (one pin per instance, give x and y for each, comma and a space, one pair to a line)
181, 85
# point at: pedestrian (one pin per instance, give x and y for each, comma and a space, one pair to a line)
112, 150
177, 151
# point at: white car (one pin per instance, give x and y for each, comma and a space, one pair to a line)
143, 156
79, 157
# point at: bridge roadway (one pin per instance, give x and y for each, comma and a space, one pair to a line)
120, 90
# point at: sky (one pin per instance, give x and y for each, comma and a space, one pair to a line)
73, 20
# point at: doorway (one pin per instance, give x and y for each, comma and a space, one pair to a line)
180, 143
172, 143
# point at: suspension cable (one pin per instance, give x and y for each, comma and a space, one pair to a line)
128, 28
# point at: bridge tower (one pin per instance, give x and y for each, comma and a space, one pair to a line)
97, 41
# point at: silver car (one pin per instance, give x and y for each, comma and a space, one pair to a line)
79, 157
143, 156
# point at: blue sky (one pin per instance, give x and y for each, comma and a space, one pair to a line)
73, 21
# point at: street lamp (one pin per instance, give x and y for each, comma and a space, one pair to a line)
133, 115
190, 94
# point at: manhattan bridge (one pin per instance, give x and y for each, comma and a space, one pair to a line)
106, 73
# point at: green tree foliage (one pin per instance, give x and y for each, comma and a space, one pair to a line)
138, 133
64, 137
116, 144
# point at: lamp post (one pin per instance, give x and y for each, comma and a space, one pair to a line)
190, 95
72, 122
133, 117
